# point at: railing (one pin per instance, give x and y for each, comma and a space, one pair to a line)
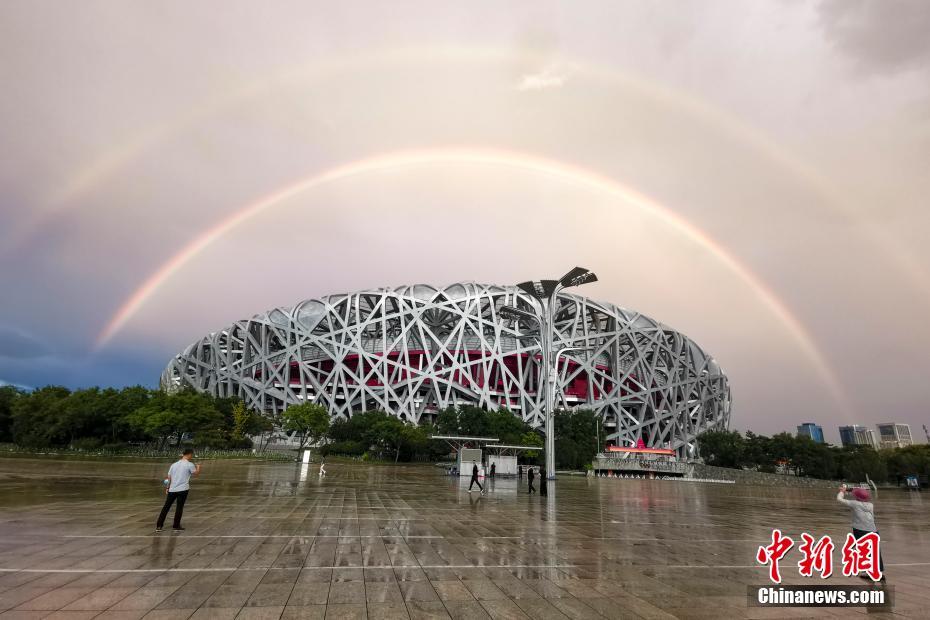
641, 465
149, 452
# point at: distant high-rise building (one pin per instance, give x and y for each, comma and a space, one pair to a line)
856, 435
809, 429
893, 435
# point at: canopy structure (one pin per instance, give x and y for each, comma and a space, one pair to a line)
511, 450
457, 442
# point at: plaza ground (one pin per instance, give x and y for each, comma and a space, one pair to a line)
273, 540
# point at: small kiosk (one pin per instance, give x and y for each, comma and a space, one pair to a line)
467, 449
505, 458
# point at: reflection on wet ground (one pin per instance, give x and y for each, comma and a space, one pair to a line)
272, 540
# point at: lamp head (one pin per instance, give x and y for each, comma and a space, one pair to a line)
539, 289
577, 277
509, 312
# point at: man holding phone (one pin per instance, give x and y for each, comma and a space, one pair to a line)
176, 488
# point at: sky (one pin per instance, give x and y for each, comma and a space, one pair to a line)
750, 173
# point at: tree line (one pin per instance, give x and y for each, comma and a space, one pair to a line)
108, 418
92, 418
803, 456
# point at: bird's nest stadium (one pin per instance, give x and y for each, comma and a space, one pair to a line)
415, 350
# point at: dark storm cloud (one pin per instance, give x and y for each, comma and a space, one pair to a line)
17, 344
879, 36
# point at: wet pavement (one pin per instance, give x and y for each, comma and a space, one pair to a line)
272, 540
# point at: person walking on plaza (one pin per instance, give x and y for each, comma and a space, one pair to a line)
322, 469
529, 479
863, 515
543, 488
493, 469
520, 472
177, 486
474, 478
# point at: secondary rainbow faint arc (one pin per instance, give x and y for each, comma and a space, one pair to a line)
497, 157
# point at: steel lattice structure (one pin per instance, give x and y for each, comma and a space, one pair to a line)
415, 350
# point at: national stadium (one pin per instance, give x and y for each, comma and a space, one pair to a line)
415, 350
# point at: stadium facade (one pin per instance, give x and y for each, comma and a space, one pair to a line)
415, 350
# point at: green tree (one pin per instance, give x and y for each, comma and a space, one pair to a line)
389, 432
857, 462
575, 438
8, 395
245, 423
758, 453
473, 421
309, 420
504, 425
902, 462
531, 438
178, 414
814, 459
447, 422
722, 448
34, 417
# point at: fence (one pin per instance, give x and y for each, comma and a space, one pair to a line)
149, 452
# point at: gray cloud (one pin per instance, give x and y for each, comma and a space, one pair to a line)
879, 36
17, 344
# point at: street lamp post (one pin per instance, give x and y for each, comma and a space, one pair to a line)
546, 293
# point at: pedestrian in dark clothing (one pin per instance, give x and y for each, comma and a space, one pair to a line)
177, 485
543, 489
493, 469
520, 471
474, 478
529, 479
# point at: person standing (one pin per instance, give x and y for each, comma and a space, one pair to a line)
474, 478
529, 479
178, 485
520, 472
493, 469
863, 516
543, 488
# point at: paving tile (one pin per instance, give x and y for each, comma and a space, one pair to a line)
346, 592
383, 592
260, 613
305, 612
466, 610
71, 615
270, 595
504, 609
346, 611
23, 614
169, 614
100, 599
427, 610
382, 541
144, 598
387, 611
216, 613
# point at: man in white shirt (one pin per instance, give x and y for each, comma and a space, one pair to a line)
177, 486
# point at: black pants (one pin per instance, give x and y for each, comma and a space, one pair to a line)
859, 534
474, 481
181, 496
529, 482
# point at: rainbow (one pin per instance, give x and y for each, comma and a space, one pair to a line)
112, 161
496, 157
